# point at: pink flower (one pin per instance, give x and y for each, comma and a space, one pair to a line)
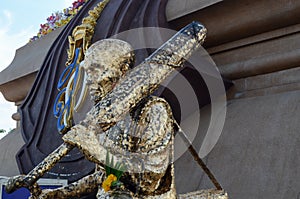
58, 19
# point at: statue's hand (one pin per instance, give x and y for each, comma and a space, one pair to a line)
15, 183
46, 194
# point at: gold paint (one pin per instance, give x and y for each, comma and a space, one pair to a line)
82, 34
146, 77
146, 134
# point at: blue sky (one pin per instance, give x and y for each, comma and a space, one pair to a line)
19, 21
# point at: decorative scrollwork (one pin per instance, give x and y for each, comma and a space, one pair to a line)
68, 84
72, 78
82, 34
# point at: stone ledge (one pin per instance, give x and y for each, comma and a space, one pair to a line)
16, 90
267, 84
178, 8
29, 58
274, 34
228, 21
260, 54
17, 79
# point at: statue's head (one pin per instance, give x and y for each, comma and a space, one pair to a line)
105, 62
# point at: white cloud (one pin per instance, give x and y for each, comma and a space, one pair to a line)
68, 3
8, 17
10, 42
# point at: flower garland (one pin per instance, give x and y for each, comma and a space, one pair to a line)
58, 19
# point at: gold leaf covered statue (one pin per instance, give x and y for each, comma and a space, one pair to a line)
129, 134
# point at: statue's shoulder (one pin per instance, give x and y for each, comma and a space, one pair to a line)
149, 104
153, 100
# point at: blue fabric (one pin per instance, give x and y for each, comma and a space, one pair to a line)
23, 193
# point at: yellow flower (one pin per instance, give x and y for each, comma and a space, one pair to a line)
107, 182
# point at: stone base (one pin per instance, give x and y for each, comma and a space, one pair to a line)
205, 194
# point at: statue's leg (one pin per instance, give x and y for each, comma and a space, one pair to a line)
28, 180
81, 187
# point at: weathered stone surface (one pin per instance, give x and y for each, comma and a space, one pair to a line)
257, 155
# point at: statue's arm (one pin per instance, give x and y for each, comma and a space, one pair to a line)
81, 187
157, 119
157, 145
50, 161
32, 177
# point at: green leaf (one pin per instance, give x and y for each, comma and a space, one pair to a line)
116, 169
112, 162
107, 168
118, 165
116, 184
